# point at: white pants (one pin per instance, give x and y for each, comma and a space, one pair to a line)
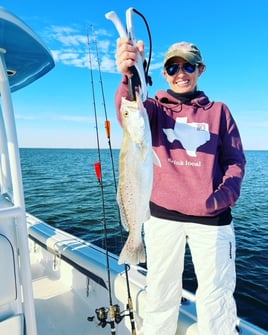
213, 254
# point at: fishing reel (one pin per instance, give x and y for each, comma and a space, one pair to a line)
102, 314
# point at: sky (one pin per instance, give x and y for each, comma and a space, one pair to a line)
58, 110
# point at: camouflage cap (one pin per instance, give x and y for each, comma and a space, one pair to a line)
185, 50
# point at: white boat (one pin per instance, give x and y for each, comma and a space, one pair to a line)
53, 282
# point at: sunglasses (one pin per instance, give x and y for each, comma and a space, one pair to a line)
175, 68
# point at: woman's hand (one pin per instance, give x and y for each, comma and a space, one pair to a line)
126, 54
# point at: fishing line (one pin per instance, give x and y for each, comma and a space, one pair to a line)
101, 312
108, 133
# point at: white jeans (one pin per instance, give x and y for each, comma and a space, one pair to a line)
213, 254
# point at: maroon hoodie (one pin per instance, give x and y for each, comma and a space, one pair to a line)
201, 155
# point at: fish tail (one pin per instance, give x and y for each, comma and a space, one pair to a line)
132, 255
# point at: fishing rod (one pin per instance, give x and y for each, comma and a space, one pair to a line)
107, 123
108, 133
101, 312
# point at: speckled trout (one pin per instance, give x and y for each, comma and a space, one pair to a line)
135, 178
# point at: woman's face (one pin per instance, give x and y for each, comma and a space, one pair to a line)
183, 81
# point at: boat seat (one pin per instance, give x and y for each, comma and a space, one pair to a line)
10, 323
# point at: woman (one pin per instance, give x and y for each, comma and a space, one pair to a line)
199, 180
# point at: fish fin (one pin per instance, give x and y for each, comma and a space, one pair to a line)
156, 159
130, 255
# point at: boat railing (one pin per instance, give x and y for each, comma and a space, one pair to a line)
23, 59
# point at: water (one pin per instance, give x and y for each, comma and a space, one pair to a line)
61, 188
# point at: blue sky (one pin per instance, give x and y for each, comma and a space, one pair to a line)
58, 109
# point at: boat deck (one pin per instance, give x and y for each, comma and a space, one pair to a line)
55, 299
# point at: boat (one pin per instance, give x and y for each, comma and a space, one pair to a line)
53, 282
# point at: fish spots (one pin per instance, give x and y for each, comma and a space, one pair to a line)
135, 178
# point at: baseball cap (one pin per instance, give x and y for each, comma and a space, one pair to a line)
185, 50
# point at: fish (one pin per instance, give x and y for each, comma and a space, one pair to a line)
135, 178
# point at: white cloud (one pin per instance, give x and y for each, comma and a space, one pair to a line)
70, 47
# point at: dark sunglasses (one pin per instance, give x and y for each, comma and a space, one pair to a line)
175, 68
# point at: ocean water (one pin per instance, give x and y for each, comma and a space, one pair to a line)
62, 189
